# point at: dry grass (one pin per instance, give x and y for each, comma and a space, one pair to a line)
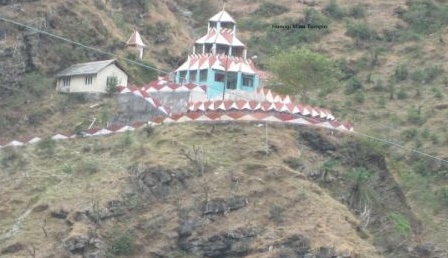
232, 152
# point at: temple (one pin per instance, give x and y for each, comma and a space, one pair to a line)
219, 60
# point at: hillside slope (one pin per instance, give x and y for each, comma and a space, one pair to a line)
201, 191
393, 87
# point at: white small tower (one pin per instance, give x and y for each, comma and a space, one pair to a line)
136, 41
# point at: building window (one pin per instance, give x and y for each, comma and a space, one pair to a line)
248, 80
89, 80
219, 77
193, 76
203, 75
232, 79
66, 81
222, 49
237, 51
227, 25
182, 76
208, 48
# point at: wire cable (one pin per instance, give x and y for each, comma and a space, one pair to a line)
80, 44
400, 146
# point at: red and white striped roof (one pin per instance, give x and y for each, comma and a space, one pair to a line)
235, 111
223, 36
265, 106
218, 62
163, 85
256, 116
135, 40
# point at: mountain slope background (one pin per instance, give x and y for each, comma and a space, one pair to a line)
392, 55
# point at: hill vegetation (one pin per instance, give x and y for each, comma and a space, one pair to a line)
393, 63
189, 193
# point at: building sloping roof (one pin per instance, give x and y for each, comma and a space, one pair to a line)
86, 68
135, 40
222, 16
224, 36
218, 62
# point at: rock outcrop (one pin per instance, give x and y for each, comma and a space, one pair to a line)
224, 244
158, 183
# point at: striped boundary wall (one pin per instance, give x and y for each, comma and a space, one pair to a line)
195, 116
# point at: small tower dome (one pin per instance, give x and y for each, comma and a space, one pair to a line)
136, 41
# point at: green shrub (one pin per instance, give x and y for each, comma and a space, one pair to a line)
143, 74
418, 143
287, 38
361, 194
346, 69
252, 24
421, 168
99, 4
149, 131
268, 9
409, 35
402, 94
445, 81
401, 224
79, 130
417, 186
435, 139
9, 156
88, 167
379, 85
127, 139
327, 167
414, 116
425, 133
357, 11
426, 17
418, 93
401, 73
438, 94
122, 244
360, 31
202, 11
410, 133
36, 117
333, 9
112, 84
118, 19
353, 85
359, 97
145, 4
46, 147
390, 35
432, 72
276, 213
37, 84
369, 78
67, 168
442, 194
294, 163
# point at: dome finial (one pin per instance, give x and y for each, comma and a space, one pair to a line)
223, 4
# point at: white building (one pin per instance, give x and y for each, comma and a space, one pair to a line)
90, 77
